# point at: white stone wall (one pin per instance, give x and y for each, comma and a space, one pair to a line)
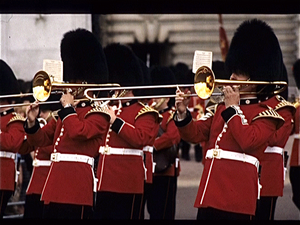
27, 39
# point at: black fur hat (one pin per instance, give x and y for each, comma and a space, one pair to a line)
255, 51
161, 75
83, 57
123, 65
9, 83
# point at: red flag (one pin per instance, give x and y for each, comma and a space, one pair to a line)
223, 39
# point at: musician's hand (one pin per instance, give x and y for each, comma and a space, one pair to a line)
111, 111
231, 95
181, 102
66, 99
32, 113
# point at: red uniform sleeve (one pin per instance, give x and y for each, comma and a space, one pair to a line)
39, 137
251, 136
13, 138
283, 133
170, 137
194, 131
142, 133
93, 126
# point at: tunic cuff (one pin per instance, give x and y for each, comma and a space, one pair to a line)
117, 125
63, 113
230, 112
33, 129
183, 122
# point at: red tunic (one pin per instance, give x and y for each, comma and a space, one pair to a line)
39, 173
231, 185
170, 137
79, 132
136, 126
295, 155
12, 136
272, 167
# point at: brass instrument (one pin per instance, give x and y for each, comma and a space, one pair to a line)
204, 86
21, 95
205, 83
43, 86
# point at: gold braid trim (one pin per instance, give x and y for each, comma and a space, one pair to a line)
283, 103
148, 109
171, 112
212, 109
98, 109
54, 115
17, 118
270, 113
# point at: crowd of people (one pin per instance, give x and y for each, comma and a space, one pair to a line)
115, 159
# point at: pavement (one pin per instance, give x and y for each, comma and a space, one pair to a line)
188, 183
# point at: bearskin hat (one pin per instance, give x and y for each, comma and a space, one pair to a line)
161, 75
83, 57
218, 67
9, 83
255, 51
123, 66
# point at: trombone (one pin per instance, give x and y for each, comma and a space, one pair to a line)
204, 86
43, 85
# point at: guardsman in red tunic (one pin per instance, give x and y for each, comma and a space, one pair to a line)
237, 133
12, 136
272, 165
266, 64
33, 208
121, 170
160, 196
295, 155
76, 135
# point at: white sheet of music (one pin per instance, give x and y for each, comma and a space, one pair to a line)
202, 58
54, 68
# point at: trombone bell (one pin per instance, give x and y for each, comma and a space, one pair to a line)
204, 82
41, 86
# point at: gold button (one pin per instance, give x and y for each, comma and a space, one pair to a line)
215, 153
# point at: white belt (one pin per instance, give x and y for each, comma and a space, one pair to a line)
37, 162
222, 154
9, 155
57, 157
120, 151
274, 149
297, 136
148, 149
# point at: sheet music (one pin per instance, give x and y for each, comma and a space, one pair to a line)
54, 68
202, 58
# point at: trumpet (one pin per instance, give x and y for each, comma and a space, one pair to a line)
204, 87
43, 85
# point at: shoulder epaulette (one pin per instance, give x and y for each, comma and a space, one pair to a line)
296, 104
212, 109
54, 115
98, 109
270, 113
17, 117
171, 112
284, 103
148, 109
